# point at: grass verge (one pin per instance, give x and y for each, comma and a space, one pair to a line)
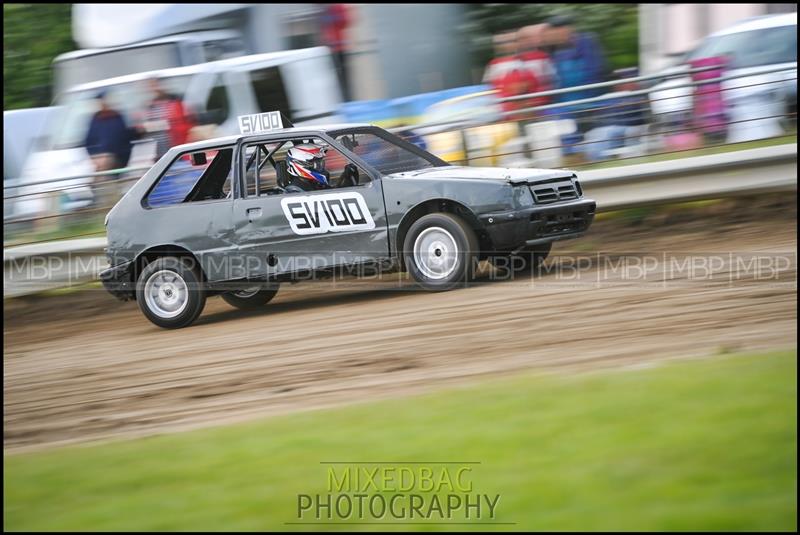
707, 444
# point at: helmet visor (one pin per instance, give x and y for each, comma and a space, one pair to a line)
315, 164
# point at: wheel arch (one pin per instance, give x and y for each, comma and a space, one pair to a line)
440, 205
159, 251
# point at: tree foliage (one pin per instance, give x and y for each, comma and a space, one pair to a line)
616, 26
33, 35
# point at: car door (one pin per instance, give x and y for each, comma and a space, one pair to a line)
281, 233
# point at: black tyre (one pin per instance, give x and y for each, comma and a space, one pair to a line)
440, 251
523, 263
250, 298
170, 292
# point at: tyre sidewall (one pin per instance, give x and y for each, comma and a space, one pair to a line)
467, 247
256, 300
197, 292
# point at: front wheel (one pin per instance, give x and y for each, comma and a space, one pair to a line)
440, 251
170, 293
250, 298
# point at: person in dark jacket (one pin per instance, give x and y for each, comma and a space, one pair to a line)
579, 60
108, 141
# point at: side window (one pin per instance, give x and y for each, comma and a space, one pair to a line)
217, 105
195, 176
335, 163
270, 90
223, 48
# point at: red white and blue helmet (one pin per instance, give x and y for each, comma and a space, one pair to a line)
307, 161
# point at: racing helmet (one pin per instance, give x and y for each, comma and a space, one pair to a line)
307, 161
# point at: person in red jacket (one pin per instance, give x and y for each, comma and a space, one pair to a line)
166, 119
507, 74
537, 61
505, 49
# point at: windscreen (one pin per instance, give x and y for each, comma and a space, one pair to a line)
767, 46
384, 154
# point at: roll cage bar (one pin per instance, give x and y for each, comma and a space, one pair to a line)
329, 137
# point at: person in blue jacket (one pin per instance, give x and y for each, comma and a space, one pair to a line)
578, 59
109, 140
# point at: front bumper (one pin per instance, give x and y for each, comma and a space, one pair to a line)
118, 280
538, 224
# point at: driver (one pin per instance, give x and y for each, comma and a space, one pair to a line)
306, 166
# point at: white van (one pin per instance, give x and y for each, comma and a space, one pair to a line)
80, 67
300, 83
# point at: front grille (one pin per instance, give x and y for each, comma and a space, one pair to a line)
550, 193
565, 223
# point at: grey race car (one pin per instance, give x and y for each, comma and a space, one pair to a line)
215, 217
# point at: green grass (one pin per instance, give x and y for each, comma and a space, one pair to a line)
639, 214
708, 444
85, 227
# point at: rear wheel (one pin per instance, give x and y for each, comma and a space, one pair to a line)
440, 251
252, 297
170, 292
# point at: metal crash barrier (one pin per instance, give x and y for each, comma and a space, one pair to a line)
70, 207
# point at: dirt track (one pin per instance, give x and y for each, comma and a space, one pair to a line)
85, 366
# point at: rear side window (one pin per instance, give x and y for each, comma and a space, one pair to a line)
196, 176
269, 90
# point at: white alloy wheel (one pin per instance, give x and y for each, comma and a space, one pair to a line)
436, 253
166, 294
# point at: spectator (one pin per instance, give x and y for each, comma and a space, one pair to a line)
108, 140
531, 43
507, 74
577, 56
620, 128
626, 109
166, 119
335, 20
578, 60
710, 116
505, 49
